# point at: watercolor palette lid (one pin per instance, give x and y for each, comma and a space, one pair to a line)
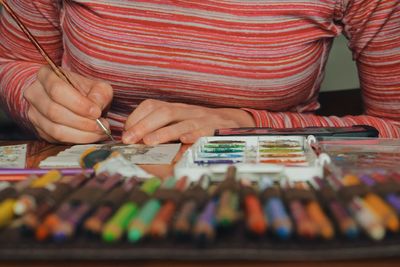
254, 156
361, 153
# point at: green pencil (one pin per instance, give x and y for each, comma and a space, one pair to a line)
140, 224
227, 212
115, 227
228, 208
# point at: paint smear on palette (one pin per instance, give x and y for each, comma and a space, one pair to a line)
221, 152
286, 152
288, 161
280, 143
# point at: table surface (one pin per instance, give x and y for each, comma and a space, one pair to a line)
38, 151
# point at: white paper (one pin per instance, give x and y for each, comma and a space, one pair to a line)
13, 156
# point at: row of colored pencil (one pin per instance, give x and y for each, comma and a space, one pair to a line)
115, 208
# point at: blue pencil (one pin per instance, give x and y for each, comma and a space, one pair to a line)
276, 213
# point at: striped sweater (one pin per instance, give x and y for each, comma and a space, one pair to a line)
264, 56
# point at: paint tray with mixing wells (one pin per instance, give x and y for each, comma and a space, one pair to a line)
254, 156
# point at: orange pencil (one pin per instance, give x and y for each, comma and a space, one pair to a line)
350, 179
256, 222
325, 227
383, 210
316, 214
44, 230
159, 226
255, 218
305, 226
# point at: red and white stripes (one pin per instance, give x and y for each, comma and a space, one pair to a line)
266, 56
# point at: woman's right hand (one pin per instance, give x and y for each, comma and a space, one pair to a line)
63, 114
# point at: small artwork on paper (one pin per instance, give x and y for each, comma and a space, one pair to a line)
136, 153
13, 156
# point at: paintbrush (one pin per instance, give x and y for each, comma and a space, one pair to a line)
60, 73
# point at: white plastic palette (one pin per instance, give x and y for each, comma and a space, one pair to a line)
250, 161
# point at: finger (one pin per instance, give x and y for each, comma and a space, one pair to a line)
158, 118
66, 95
57, 113
45, 136
143, 110
101, 94
213, 122
84, 84
40, 132
192, 137
172, 132
61, 133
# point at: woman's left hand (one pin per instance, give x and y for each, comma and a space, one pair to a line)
156, 122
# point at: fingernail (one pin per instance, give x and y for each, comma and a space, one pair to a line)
98, 99
93, 111
128, 137
152, 141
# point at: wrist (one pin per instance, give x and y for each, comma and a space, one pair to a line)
241, 117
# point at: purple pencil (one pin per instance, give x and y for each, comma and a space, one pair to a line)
392, 198
70, 171
204, 230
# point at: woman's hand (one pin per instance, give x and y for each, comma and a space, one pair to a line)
156, 122
61, 113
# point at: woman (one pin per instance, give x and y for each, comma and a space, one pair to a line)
177, 70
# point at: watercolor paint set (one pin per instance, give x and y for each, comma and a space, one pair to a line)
276, 156
297, 157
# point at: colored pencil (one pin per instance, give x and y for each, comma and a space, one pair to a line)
305, 226
228, 204
392, 198
106, 207
118, 224
367, 219
204, 231
346, 223
196, 198
373, 201
316, 214
63, 188
139, 226
66, 171
360, 211
38, 190
63, 223
160, 224
256, 222
275, 211
7, 205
